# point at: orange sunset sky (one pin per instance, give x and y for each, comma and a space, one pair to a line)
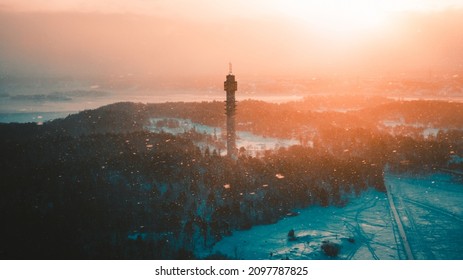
261, 37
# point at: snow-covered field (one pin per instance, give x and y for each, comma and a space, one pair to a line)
431, 210
363, 228
254, 143
177, 126
430, 207
251, 142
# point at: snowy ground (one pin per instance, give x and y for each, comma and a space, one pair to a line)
365, 221
255, 143
251, 142
180, 126
430, 208
427, 130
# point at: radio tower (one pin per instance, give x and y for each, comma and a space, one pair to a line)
230, 86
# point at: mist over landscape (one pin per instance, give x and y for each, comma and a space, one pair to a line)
268, 130
152, 52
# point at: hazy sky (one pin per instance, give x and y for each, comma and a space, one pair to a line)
260, 37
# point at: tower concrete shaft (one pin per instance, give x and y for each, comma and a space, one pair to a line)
230, 86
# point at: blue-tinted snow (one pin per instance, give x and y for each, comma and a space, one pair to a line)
431, 210
363, 228
430, 207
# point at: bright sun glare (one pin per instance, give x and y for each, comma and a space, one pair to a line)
337, 17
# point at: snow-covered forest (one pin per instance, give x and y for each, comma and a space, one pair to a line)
150, 181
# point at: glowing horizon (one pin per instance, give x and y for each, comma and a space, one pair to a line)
185, 38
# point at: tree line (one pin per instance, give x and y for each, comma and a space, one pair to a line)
97, 185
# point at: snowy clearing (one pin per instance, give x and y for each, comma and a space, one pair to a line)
251, 142
429, 206
364, 229
431, 210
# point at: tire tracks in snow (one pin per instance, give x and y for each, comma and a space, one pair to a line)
415, 236
362, 234
435, 209
358, 231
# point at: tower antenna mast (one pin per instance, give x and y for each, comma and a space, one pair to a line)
230, 86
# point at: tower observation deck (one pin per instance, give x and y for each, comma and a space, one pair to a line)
230, 86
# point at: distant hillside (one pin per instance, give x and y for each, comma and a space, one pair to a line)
288, 120
437, 113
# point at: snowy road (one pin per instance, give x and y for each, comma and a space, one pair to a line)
399, 224
431, 210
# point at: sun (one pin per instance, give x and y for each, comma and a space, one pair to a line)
340, 17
